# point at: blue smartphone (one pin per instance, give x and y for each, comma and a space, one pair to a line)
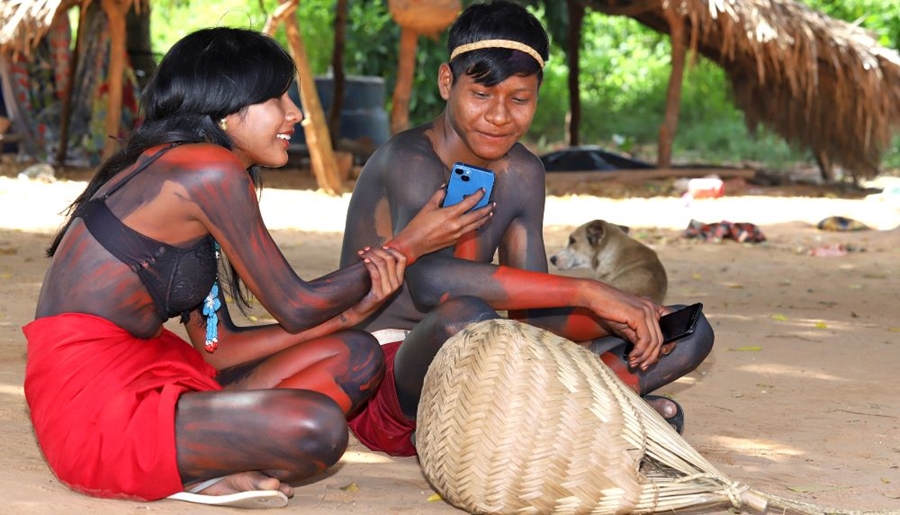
467, 179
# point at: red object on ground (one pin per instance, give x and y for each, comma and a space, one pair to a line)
707, 187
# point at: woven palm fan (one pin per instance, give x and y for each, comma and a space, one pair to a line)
514, 419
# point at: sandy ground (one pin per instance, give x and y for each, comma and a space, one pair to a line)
798, 397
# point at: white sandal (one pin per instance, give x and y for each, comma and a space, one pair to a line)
251, 499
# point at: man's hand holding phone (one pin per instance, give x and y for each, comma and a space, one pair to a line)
435, 227
674, 326
466, 180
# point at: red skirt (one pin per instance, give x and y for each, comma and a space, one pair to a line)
103, 404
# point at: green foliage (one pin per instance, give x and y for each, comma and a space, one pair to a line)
624, 76
624, 72
373, 44
371, 47
892, 156
372, 40
173, 19
549, 124
881, 17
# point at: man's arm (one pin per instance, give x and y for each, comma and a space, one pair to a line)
577, 309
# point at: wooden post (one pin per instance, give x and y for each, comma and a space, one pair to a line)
673, 95
66, 109
406, 68
573, 54
315, 127
337, 67
115, 12
415, 18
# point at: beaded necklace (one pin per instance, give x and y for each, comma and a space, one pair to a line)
210, 306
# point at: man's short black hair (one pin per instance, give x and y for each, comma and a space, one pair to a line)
498, 19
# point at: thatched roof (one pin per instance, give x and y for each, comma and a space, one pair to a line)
23, 23
820, 83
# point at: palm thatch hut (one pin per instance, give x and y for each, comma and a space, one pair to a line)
820, 83
23, 23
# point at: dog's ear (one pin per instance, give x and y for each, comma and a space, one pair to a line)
624, 228
594, 231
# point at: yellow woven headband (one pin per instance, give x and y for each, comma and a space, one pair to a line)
498, 43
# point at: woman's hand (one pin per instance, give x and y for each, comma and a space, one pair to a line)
633, 318
436, 227
386, 267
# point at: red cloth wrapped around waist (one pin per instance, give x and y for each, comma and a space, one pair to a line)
103, 403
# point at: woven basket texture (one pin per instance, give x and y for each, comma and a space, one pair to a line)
514, 419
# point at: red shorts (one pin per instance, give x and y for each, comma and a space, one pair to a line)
381, 425
103, 404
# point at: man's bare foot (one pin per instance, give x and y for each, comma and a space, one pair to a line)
244, 482
667, 409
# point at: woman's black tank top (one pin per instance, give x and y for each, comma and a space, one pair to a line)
178, 279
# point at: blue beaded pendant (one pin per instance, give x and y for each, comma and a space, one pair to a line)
210, 306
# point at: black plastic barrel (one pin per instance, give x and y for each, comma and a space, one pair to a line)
363, 118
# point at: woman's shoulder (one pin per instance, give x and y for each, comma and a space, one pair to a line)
196, 166
206, 161
203, 155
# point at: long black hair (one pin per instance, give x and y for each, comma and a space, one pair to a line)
204, 77
498, 19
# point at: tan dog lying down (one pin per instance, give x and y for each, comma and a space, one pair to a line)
616, 258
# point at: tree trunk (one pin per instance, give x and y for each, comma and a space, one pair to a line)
115, 11
406, 68
573, 52
140, 49
66, 108
826, 167
337, 67
673, 95
315, 128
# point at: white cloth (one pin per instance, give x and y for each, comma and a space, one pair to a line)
390, 335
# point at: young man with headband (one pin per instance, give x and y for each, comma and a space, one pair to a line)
497, 52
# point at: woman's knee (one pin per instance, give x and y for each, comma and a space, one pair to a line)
296, 432
314, 426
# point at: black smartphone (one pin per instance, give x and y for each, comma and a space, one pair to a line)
465, 180
676, 325
681, 323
